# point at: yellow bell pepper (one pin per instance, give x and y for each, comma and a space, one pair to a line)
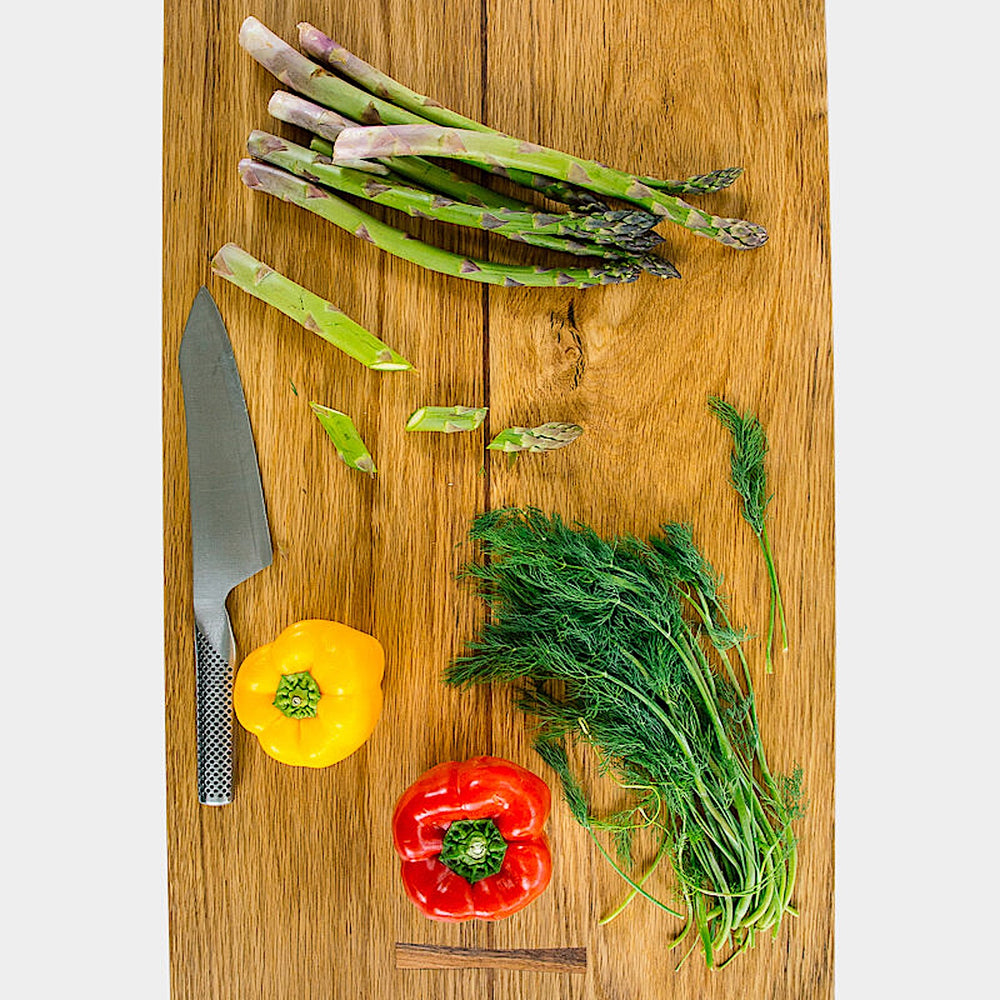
314, 694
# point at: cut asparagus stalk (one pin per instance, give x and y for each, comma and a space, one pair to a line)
464, 144
446, 419
288, 187
323, 48
345, 437
328, 125
314, 313
538, 228
545, 437
296, 71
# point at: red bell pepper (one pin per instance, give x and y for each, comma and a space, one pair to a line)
471, 836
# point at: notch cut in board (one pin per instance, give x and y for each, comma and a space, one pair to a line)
431, 956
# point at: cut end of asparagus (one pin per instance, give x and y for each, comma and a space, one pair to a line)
295, 110
545, 437
345, 437
447, 419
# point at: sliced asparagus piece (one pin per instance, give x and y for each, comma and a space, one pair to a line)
323, 48
314, 313
345, 438
296, 71
466, 145
545, 437
536, 228
446, 419
328, 125
307, 195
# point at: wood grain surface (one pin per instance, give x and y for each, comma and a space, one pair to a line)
292, 891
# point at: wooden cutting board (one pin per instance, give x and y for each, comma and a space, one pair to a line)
292, 891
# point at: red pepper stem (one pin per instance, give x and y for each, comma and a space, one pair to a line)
473, 849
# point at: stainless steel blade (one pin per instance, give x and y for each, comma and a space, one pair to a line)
230, 539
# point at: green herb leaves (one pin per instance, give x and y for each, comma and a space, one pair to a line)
749, 478
625, 646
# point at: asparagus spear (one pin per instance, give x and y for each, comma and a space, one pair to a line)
301, 74
315, 43
314, 313
307, 195
345, 437
536, 228
545, 437
446, 419
328, 124
464, 144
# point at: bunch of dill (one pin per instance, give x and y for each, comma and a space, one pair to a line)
626, 646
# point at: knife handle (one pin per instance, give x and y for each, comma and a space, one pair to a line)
214, 694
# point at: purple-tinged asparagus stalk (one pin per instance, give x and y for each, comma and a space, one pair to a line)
307, 195
328, 125
536, 228
323, 48
469, 146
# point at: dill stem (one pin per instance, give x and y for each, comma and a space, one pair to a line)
772, 574
665, 719
635, 885
634, 892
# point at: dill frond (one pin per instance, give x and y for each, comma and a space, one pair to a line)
748, 477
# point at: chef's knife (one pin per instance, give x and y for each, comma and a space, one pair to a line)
229, 537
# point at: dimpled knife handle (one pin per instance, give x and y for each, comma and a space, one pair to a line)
215, 723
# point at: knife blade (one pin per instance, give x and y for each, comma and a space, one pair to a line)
230, 540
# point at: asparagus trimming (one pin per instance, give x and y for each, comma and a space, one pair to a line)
466, 145
446, 419
545, 437
288, 187
310, 310
345, 437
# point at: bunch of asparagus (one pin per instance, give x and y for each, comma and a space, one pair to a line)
378, 141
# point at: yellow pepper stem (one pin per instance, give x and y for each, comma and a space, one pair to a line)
297, 695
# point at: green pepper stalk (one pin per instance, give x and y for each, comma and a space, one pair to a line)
314, 313
477, 147
288, 187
